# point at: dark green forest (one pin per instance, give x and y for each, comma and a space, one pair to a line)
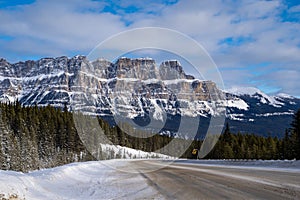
41, 137
35, 137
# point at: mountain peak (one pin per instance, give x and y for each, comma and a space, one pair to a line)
284, 95
3, 62
134, 61
173, 64
172, 69
237, 90
138, 68
256, 93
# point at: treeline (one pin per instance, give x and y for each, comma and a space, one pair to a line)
38, 137
229, 145
41, 137
250, 146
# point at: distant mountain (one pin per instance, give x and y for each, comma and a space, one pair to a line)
263, 114
137, 89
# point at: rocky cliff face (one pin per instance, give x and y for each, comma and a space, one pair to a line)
133, 88
57, 81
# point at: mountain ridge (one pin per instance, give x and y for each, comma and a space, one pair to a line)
241, 89
135, 88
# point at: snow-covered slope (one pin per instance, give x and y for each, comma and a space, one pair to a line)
256, 93
88, 180
265, 114
117, 151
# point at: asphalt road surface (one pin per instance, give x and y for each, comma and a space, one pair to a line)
186, 181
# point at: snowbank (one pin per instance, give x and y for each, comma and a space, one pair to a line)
89, 180
117, 151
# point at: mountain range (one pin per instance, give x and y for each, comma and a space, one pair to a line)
139, 91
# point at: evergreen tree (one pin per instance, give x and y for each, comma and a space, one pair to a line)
35, 137
295, 135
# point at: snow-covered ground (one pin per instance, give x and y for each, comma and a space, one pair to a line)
117, 151
103, 180
280, 165
89, 180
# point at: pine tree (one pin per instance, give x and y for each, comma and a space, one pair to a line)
295, 135
227, 134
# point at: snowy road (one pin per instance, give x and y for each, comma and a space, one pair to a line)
202, 181
180, 180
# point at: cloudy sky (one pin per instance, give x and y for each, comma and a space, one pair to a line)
254, 43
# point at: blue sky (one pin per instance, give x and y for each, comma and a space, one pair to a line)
254, 43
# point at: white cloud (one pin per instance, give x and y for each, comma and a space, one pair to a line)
61, 27
294, 9
273, 40
289, 80
53, 28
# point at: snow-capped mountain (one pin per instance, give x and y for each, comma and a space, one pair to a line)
264, 114
138, 89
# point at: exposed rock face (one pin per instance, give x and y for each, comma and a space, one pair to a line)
142, 69
170, 70
131, 87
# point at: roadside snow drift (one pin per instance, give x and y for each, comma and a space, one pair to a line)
89, 180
